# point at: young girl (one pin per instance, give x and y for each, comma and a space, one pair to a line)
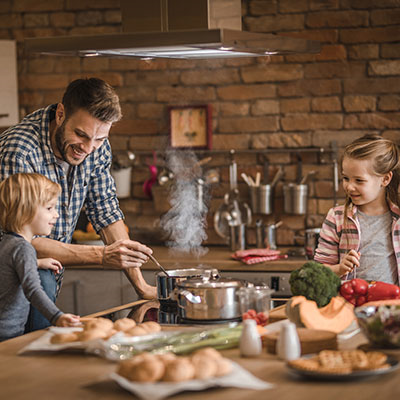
362, 238
27, 208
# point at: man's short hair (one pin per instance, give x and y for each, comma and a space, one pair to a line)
20, 196
95, 96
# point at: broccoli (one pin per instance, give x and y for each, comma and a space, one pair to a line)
315, 282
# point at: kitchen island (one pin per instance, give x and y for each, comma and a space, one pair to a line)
67, 376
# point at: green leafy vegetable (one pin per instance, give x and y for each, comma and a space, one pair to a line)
315, 282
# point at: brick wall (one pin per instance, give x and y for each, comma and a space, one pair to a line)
350, 88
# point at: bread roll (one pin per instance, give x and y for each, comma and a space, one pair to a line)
167, 357
124, 324
142, 369
136, 331
92, 334
205, 367
64, 337
208, 352
224, 366
98, 323
179, 370
151, 326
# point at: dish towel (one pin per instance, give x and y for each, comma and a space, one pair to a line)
255, 256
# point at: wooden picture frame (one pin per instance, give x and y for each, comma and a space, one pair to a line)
190, 126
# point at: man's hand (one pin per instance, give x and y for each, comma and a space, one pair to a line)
126, 253
49, 263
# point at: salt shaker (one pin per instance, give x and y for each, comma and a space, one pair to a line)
250, 342
288, 343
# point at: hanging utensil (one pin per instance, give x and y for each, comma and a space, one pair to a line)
266, 171
277, 176
299, 169
306, 176
233, 172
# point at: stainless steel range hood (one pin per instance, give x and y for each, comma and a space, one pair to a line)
187, 29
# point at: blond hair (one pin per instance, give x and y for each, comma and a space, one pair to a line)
385, 158
20, 195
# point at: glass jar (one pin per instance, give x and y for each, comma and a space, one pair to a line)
255, 303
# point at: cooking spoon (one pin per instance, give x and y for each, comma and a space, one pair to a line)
159, 265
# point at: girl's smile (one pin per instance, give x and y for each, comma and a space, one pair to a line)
365, 189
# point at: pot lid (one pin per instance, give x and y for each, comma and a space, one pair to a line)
189, 272
206, 282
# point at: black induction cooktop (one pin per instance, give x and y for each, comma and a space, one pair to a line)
165, 313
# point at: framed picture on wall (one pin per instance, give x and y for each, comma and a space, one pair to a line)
190, 126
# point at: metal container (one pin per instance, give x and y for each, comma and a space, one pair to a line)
295, 198
261, 199
208, 298
311, 241
237, 237
166, 284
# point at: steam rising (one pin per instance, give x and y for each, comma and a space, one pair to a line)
185, 222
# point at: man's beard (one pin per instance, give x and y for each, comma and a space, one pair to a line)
60, 141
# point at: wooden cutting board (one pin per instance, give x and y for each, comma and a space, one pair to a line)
277, 314
311, 340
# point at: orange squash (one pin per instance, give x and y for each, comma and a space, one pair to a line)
335, 316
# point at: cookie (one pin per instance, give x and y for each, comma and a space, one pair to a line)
332, 359
305, 364
376, 358
356, 358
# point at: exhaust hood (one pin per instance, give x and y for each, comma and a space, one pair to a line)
181, 29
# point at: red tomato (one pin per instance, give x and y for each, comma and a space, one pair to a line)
246, 316
252, 313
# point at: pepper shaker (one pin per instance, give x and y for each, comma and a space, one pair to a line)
250, 342
288, 343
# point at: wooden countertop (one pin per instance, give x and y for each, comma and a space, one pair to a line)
217, 257
76, 376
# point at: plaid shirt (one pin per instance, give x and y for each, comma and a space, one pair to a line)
335, 241
26, 148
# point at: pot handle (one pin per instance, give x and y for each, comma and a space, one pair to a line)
190, 297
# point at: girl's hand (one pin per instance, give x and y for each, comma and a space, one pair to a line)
50, 263
68, 320
350, 261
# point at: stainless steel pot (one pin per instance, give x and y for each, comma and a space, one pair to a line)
166, 284
208, 298
295, 198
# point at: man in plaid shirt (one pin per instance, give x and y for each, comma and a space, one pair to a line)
68, 143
